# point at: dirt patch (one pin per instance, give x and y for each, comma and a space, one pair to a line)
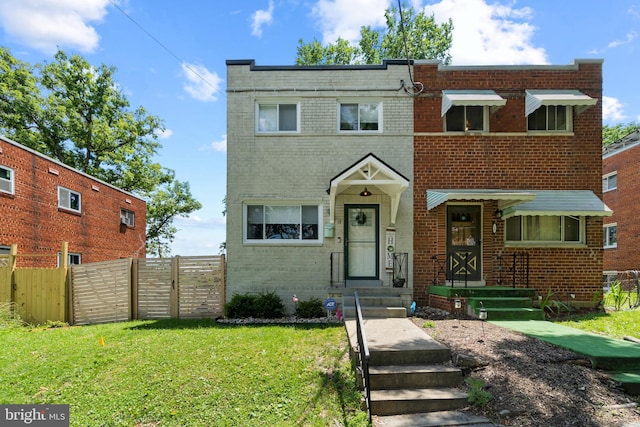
532, 383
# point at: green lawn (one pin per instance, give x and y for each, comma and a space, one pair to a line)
613, 324
184, 373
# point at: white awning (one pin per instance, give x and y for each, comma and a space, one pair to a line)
559, 203
471, 97
505, 197
369, 171
537, 98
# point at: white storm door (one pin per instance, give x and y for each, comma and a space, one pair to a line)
361, 241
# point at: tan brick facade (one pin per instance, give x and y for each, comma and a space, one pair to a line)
32, 219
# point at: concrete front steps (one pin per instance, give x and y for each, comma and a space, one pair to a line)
411, 378
376, 302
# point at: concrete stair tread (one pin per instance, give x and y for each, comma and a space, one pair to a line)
418, 369
418, 394
434, 419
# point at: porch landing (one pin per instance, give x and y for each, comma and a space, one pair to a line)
499, 302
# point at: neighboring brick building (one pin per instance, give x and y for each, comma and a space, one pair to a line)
621, 187
44, 203
511, 156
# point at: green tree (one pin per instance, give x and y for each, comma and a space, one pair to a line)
611, 134
76, 113
422, 36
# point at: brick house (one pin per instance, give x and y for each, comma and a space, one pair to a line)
45, 203
506, 184
620, 185
318, 177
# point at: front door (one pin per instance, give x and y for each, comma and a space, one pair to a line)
361, 246
464, 251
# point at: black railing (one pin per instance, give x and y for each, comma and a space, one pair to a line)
514, 266
363, 355
442, 272
337, 269
400, 270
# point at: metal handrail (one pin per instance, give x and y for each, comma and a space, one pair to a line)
363, 355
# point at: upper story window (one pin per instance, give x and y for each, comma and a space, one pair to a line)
361, 117
287, 223
68, 199
127, 217
465, 118
553, 109
610, 181
545, 229
469, 110
6, 180
610, 233
278, 117
550, 118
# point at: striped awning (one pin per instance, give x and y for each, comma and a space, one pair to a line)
471, 97
537, 98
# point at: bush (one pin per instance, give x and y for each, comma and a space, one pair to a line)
478, 395
263, 306
9, 319
310, 309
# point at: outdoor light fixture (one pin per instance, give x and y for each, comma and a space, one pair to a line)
457, 303
498, 214
483, 312
365, 192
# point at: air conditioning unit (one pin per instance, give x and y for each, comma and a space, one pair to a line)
124, 221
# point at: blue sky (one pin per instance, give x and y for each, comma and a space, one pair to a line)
170, 58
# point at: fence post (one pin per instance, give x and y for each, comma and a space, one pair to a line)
133, 278
13, 261
175, 287
64, 271
223, 271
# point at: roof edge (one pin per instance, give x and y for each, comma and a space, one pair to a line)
251, 63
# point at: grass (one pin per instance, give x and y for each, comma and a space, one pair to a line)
180, 372
617, 324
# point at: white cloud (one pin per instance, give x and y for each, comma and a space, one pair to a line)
489, 33
343, 18
201, 83
612, 110
48, 24
220, 145
261, 18
164, 134
631, 36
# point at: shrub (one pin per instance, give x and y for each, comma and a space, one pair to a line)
263, 306
478, 396
9, 319
310, 309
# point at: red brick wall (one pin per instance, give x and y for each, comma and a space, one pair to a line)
31, 218
623, 202
508, 158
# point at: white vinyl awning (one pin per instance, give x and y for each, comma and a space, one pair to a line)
527, 202
504, 197
537, 98
471, 97
559, 203
372, 172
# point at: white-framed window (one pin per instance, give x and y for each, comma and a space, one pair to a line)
360, 117
274, 117
550, 118
545, 229
6, 180
610, 181
282, 223
127, 217
72, 258
5, 250
610, 234
608, 279
69, 199
465, 118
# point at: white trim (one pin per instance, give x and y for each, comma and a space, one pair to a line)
276, 103
607, 176
69, 192
360, 102
283, 242
11, 181
605, 232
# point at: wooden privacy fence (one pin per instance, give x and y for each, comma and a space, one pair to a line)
37, 295
148, 288
111, 291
